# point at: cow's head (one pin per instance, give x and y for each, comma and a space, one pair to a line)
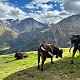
74, 38
60, 52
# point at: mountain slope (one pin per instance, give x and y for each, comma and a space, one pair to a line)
28, 24
33, 33
6, 35
15, 33
59, 34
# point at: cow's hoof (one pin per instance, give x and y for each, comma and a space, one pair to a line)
38, 67
52, 63
71, 62
41, 69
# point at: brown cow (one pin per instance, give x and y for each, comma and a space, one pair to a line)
47, 51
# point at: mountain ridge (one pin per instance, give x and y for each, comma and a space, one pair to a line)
17, 32
57, 34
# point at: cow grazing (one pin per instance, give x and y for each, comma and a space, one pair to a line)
75, 40
47, 51
20, 55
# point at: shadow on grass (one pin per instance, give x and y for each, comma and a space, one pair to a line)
60, 70
10, 61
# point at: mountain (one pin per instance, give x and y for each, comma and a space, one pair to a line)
15, 33
59, 34
28, 24
6, 34
27, 28
31, 33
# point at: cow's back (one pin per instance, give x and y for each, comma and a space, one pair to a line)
44, 49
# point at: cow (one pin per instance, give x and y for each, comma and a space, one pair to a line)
75, 41
20, 55
47, 51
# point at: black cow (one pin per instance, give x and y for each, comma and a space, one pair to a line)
47, 51
75, 41
20, 55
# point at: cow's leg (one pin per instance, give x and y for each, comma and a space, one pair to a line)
74, 51
51, 60
79, 52
38, 59
79, 49
43, 60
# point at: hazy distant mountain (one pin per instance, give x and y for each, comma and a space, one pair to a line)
28, 24
14, 33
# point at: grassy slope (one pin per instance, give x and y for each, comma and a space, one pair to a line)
26, 69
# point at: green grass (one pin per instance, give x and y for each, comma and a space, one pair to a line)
26, 69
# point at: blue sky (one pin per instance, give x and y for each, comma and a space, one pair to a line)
21, 4
48, 11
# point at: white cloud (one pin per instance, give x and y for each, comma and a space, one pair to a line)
69, 7
39, 1
45, 6
12, 12
48, 17
45, 15
2, 0
72, 6
39, 4
7, 11
30, 6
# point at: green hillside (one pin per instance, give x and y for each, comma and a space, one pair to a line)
26, 69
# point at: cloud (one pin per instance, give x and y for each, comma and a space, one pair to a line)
45, 7
39, 4
48, 17
72, 6
69, 7
30, 6
40, 1
3, 0
41, 10
10, 12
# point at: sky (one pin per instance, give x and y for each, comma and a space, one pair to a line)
45, 11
